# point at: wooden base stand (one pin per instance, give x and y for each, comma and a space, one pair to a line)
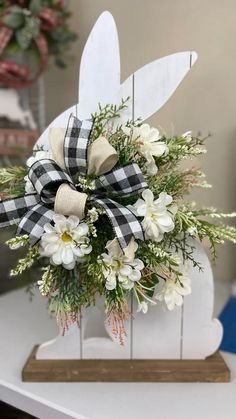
213, 369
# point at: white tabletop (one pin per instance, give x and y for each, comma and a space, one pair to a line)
24, 324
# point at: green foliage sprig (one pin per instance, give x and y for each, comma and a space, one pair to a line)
103, 119
27, 262
12, 181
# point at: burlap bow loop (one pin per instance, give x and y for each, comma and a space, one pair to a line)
69, 201
55, 186
46, 177
102, 157
58, 187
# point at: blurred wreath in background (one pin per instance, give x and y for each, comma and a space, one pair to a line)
31, 31
38, 28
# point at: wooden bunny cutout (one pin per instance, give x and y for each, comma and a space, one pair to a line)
189, 331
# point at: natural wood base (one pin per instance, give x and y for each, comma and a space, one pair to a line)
213, 369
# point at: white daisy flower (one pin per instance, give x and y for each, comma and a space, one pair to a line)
172, 293
158, 215
118, 268
149, 145
65, 242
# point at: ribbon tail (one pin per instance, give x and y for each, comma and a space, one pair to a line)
125, 224
12, 210
33, 222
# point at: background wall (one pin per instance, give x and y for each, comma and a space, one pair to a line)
205, 100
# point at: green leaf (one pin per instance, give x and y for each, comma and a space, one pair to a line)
12, 47
16, 9
13, 20
35, 6
25, 35
24, 38
33, 26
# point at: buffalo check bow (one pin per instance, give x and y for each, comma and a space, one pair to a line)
31, 212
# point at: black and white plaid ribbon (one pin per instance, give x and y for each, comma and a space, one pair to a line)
76, 145
12, 210
124, 222
34, 210
124, 181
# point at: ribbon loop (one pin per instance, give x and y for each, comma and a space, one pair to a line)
47, 176
98, 158
70, 202
76, 145
102, 157
124, 222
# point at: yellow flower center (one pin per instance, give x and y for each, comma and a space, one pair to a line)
117, 264
66, 237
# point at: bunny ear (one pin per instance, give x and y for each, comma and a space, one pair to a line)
152, 85
99, 74
100, 67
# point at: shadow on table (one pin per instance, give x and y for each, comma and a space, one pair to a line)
9, 412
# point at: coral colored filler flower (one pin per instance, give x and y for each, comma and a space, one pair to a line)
103, 214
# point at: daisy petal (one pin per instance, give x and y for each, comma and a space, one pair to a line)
135, 275
67, 255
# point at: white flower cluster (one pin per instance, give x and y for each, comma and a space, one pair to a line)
18, 241
172, 291
92, 217
147, 140
118, 268
86, 184
158, 215
66, 242
93, 214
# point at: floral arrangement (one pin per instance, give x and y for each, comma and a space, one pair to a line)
103, 213
33, 26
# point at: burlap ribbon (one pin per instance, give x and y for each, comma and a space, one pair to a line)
101, 158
